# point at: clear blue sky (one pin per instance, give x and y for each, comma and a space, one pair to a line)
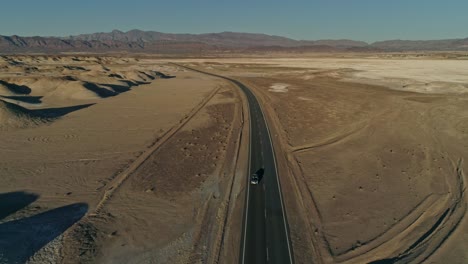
367, 20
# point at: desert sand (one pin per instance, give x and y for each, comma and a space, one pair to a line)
136, 160
70, 126
374, 154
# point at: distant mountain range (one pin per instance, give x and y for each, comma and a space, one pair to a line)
157, 42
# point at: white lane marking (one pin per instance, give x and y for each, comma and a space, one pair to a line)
248, 183
268, 257
279, 187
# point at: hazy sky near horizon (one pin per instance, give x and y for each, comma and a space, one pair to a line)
368, 20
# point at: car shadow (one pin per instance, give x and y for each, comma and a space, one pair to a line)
15, 201
260, 174
21, 239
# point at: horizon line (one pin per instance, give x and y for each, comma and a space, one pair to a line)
236, 32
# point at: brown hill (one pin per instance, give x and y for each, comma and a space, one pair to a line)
422, 45
157, 42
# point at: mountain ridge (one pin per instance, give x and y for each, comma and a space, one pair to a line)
158, 42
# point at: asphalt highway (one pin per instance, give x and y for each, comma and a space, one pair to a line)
265, 237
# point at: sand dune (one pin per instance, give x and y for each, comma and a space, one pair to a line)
79, 90
38, 82
15, 116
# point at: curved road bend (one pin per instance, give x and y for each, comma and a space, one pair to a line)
265, 237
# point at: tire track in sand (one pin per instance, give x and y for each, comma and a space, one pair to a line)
126, 173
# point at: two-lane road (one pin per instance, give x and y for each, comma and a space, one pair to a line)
265, 237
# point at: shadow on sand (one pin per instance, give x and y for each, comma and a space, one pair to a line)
21, 239
57, 112
25, 99
101, 92
163, 76
117, 88
15, 88
15, 201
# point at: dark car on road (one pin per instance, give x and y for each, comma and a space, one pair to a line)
254, 179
